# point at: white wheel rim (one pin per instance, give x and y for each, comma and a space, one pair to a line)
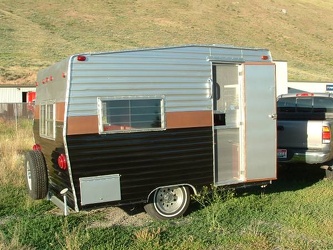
29, 175
170, 201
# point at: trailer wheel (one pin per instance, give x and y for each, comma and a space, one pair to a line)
168, 202
36, 175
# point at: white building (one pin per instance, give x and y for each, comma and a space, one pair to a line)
15, 93
283, 86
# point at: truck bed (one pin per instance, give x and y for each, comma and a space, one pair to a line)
300, 129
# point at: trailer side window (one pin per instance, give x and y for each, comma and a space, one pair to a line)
130, 115
47, 120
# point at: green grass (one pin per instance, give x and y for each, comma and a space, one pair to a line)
36, 34
292, 213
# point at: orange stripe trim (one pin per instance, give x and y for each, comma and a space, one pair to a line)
77, 125
36, 112
60, 111
188, 119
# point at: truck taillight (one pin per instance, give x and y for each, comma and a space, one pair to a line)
304, 94
326, 134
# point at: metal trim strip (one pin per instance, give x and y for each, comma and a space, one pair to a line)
68, 85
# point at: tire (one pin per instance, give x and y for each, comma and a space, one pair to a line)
36, 175
168, 202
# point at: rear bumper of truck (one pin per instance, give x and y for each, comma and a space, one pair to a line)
306, 156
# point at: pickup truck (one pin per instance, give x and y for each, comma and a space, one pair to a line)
304, 129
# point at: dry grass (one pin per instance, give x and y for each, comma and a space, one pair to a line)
13, 141
35, 34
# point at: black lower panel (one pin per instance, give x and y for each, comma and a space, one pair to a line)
144, 160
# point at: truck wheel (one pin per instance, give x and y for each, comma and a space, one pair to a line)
36, 175
168, 202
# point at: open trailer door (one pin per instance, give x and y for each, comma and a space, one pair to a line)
260, 121
244, 122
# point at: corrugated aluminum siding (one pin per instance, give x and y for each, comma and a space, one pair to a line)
180, 73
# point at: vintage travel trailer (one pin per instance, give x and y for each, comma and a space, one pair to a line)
152, 126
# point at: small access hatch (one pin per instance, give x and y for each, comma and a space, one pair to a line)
99, 189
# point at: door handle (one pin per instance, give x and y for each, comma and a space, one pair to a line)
273, 116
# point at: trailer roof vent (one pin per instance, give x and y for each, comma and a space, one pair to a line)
81, 58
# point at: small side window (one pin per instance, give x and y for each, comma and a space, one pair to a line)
47, 120
130, 114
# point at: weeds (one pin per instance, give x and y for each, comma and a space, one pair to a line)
212, 200
72, 238
147, 238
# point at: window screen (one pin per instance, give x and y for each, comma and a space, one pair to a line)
131, 114
47, 120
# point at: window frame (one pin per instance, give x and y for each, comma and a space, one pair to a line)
45, 120
101, 100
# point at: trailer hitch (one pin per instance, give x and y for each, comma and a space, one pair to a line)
326, 167
63, 193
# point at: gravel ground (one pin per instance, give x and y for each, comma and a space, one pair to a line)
120, 216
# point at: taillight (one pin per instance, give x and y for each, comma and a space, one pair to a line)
81, 58
304, 94
326, 134
62, 162
36, 147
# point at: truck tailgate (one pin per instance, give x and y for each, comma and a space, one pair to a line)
299, 134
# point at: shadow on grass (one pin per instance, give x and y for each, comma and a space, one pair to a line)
289, 178
294, 177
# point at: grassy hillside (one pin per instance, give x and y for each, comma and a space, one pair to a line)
37, 33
